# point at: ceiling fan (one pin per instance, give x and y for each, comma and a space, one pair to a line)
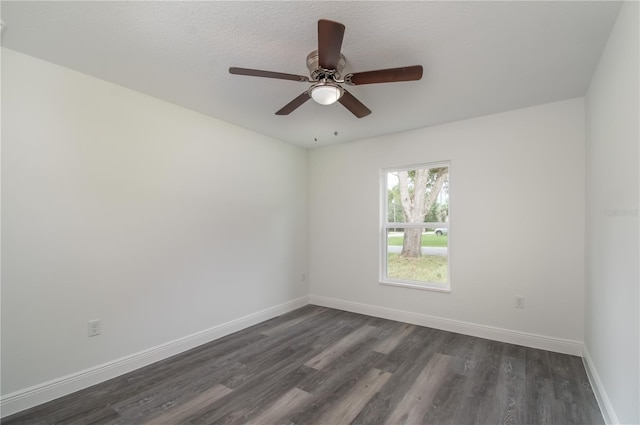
325, 66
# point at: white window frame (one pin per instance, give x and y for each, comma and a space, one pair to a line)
385, 225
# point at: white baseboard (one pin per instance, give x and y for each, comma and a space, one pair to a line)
47, 391
602, 398
559, 345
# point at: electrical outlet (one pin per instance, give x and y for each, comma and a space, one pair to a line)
94, 327
519, 301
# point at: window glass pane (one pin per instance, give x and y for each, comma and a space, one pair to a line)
416, 224
418, 254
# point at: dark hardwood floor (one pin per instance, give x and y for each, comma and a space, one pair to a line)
323, 366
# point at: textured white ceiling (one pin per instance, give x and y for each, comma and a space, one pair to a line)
478, 57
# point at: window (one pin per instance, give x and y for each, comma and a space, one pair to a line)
415, 226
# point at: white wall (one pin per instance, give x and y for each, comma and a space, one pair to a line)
160, 221
516, 215
611, 326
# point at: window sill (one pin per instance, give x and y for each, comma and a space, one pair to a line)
421, 286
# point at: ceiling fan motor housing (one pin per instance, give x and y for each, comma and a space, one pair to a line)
318, 73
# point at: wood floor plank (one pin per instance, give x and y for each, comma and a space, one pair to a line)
90, 417
447, 400
319, 331
341, 374
478, 396
538, 388
569, 387
405, 363
507, 401
585, 394
285, 406
180, 412
258, 391
171, 392
421, 341
390, 343
343, 412
333, 383
251, 401
336, 350
294, 345
292, 322
415, 402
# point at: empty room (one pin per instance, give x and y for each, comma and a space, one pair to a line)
310, 212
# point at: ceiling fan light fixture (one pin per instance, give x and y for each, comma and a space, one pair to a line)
326, 93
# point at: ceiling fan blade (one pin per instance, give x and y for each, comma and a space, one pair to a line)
330, 36
268, 74
354, 105
407, 73
294, 104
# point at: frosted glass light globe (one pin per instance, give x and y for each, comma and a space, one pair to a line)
326, 93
